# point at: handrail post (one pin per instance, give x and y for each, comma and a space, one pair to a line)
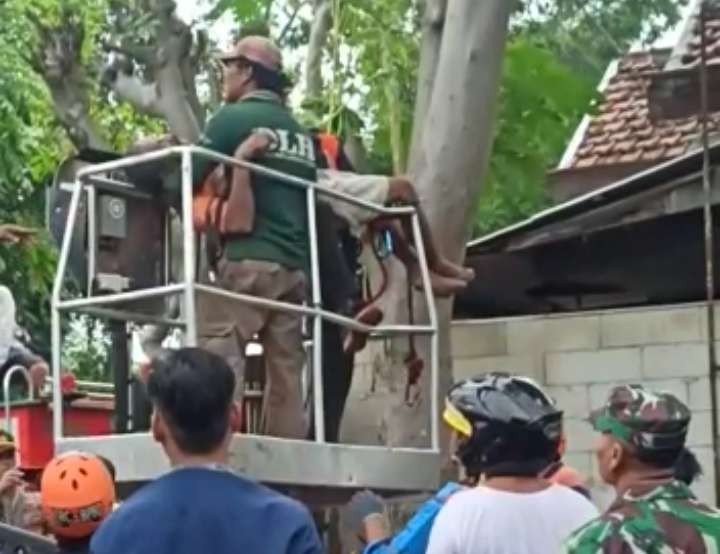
55, 328
318, 393
188, 248
9, 374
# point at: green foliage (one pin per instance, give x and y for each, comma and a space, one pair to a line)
588, 34
541, 102
86, 350
385, 37
32, 146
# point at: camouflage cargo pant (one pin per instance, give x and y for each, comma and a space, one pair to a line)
225, 327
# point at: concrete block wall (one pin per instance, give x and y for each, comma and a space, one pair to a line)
580, 357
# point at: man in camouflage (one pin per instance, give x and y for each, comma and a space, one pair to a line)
643, 433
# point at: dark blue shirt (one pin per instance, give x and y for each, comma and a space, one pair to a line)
198, 510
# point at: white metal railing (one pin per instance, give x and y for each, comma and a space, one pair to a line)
7, 381
88, 178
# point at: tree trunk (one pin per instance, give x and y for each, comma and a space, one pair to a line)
448, 166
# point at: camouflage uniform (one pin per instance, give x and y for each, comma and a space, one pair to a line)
654, 516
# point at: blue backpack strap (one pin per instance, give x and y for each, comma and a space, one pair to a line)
414, 537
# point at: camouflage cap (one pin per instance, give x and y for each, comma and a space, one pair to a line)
648, 420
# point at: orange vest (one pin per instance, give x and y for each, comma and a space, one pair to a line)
330, 146
209, 206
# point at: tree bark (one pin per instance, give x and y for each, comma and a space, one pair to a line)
171, 64
433, 25
58, 60
319, 31
448, 167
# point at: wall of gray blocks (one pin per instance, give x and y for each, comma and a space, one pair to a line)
580, 357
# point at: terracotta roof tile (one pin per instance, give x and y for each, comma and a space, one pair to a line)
622, 132
676, 151
631, 157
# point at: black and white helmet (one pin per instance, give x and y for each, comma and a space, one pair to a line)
507, 425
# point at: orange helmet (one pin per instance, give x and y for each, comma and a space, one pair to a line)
77, 493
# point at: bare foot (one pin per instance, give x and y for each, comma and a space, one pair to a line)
446, 268
442, 287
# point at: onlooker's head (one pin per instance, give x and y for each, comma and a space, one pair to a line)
642, 432
194, 413
502, 425
687, 467
77, 493
254, 63
7, 452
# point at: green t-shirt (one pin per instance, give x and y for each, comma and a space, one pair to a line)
280, 233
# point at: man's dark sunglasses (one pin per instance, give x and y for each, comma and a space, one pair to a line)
240, 60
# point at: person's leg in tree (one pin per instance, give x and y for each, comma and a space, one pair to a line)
401, 191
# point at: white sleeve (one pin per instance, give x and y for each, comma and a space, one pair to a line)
444, 535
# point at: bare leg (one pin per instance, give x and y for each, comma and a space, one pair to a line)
441, 285
401, 190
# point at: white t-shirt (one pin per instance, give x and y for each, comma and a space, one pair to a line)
487, 521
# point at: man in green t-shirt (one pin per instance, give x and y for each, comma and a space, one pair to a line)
272, 260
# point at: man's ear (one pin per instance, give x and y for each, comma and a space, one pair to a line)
158, 427
617, 456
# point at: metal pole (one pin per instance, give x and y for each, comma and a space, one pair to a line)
434, 339
55, 328
318, 392
188, 250
709, 247
120, 364
92, 231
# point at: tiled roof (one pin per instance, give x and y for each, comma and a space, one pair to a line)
622, 131
712, 37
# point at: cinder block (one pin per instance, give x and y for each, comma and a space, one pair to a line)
700, 432
677, 360
699, 394
704, 488
569, 368
526, 336
580, 435
703, 321
677, 387
467, 368
573, 400
648, 326
470, 340
581, 461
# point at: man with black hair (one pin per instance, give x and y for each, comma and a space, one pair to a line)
642, 436
271, 259
505, 430
201, 505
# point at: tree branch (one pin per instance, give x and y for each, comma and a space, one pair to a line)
289, 23
433, 27
322, 19
142, 96
140, 54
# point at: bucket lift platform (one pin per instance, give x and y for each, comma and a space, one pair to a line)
106, 206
